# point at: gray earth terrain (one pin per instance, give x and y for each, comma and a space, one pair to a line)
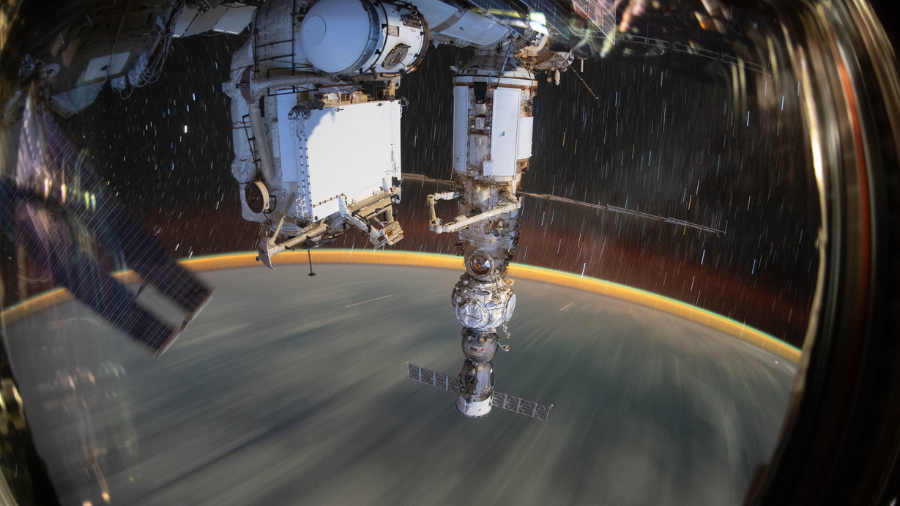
289, 389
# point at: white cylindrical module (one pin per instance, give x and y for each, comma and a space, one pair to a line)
459, 26
353, 37
505, 115
460, 128
336, 34
492, 125
274, 40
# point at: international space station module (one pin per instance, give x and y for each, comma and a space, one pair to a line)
316, 113
316, 120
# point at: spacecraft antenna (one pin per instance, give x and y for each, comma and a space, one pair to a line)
598, 207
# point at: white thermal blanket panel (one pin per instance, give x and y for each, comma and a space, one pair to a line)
526, 126
460, 127
352, 150
504, 131
289, 143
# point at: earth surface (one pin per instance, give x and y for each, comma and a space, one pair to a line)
290, 389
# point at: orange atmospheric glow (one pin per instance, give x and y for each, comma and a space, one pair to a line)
402, 258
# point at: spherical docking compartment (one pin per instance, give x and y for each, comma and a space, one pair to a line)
510, 308
482, 305
355, 37
473, 314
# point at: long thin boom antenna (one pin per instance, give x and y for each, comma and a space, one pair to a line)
309, 255
599, 207
622, 210
584, 83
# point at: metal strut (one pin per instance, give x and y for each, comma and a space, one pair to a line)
599, 207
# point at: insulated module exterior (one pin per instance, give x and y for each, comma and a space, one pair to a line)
316, 117
317, 120
350, 152
316, 126
493, 123
317, 144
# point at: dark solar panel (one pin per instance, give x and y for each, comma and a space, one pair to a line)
432, 378
62, 214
